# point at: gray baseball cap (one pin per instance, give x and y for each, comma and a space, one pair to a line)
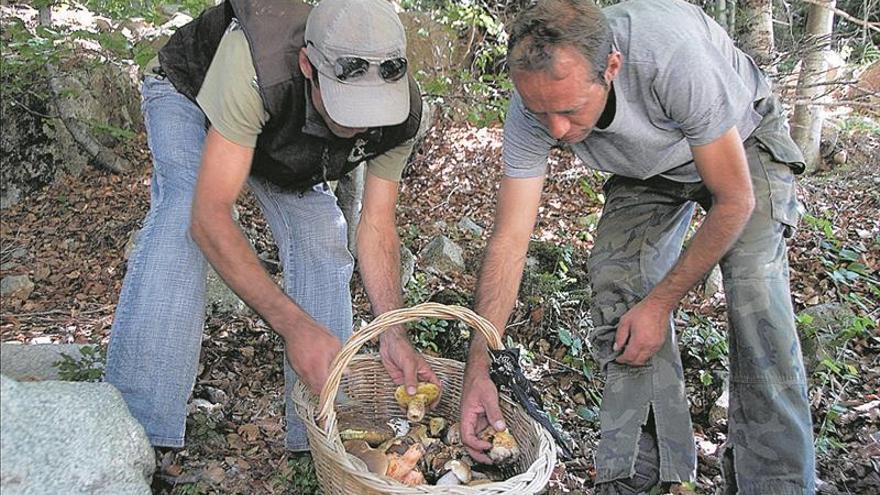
359, 49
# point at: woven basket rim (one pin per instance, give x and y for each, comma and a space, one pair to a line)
319, 415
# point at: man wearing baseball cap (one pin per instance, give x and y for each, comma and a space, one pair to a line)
285, 97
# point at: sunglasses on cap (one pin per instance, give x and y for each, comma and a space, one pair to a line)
351, 68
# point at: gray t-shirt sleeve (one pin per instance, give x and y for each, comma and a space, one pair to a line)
701, 92
526, 142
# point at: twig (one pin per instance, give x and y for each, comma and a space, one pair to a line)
30, 110
57, 312
865, 24
448, 197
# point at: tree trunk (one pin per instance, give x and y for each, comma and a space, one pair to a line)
46, 16
757, 32
721, 13
731, 17
806, 127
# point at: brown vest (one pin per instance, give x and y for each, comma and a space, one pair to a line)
274, 30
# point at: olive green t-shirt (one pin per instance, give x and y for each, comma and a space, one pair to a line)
231, 100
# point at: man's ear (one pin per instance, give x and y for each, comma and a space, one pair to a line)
304, 66
615, 61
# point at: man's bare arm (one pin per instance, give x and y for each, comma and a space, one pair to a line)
378, 248
725, 172
224, 169
378, 245
501, 272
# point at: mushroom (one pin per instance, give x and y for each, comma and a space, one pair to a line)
415, 404
436, 426
458, 473
453, 434
400, 466
420, 434
355, 426
376, 461
504, 447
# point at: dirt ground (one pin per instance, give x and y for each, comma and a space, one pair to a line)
70, 237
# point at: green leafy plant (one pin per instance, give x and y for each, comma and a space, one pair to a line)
89, 367
298, 476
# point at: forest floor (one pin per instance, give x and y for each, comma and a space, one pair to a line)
69, 238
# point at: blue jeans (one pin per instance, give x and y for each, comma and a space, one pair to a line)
157, 331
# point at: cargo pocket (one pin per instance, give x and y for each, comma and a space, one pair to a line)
784, 206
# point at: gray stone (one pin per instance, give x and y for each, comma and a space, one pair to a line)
817, 327
16, 287
70, 438
714, 282
442, 255
131, 243
718, 412
216, 396
468, 226
18, 253
220, 298
34, 362
407, 265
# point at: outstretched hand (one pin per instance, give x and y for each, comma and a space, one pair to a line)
479, 409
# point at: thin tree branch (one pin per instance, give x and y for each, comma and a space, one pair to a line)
874, 26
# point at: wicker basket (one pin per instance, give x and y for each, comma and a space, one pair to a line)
371, 389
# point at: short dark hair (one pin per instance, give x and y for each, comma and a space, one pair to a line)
547, 25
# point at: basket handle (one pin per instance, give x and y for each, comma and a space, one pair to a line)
382, 323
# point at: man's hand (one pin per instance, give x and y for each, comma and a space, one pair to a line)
479, 408
641, 332
310, 349
405, 366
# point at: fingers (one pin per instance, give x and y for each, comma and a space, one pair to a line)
471, 421
493, 412
427, 374
622, 335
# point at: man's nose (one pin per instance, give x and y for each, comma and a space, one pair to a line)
558, 126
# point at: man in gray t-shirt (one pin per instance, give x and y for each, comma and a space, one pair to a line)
656, 93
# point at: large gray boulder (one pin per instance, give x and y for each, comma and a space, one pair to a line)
70, 438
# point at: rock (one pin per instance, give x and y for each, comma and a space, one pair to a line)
713, 283
103, 25
34, 361
468, 226
868, 87
18, 253
71, 438
442, 255
131, 243
407, 265
817, 327
17, 287
220, 298
839, 157
718, 412
36, 150
216, 396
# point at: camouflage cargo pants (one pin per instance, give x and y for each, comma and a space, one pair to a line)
639, 239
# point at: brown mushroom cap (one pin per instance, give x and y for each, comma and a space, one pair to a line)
376, 461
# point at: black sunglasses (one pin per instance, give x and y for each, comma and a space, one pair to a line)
353, 68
